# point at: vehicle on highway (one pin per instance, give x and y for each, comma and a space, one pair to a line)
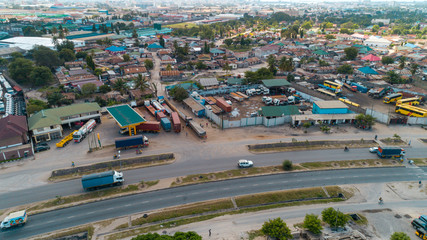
245, 163
419, 224
40, 148
103, 179
14, 219
388, 152
373, 149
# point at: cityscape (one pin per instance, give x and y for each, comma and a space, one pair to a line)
222, 120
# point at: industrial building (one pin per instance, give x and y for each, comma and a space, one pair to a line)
330, 107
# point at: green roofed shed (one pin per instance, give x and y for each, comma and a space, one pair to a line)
278, 111
125, 115
320, 52
269, 83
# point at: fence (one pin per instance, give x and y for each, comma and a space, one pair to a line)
226, 90
417, 120
380, 117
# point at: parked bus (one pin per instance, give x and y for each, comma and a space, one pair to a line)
331, 84
392, 97
409, 101
411, 111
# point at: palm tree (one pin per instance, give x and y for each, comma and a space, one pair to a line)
141, 83
120, 86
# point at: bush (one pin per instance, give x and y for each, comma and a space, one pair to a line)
287, 165
400, 236
334, 218
312, 223
277, 229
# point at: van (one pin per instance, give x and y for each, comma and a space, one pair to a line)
418, 224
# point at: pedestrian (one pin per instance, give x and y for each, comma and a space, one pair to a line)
409, 143
376, 137
186, 134
72, 164
209, 232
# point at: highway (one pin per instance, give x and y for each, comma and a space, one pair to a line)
145, 202
191, 164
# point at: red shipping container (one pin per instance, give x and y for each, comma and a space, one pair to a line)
149, 126
160, 115
224, 105
176, 122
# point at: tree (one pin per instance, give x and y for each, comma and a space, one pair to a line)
55, 99
375, 28
101, 102
394, 78
97, 72
3, 62
290, 77
177, 236
307, 25
88, 89
226, 67
81, 55
134, 34
387, 60
402, 62
149, 64
286, 65
35, 105
277, 229
287, 165
20, 70
65, 44
351, 53
312, 223
162, 41
414, 68
200, 65
16, 55
334, 218
90, 63
41, 76
120, 85
104, 88
45, 56
126, 57
67, 55
141, 83
228, 42
178, 93
271, 60
345, 69
364, 121
330, 37
168, 67
399, 236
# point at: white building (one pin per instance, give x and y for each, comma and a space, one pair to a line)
377, 42
27, 43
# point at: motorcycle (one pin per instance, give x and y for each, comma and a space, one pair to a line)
346, 149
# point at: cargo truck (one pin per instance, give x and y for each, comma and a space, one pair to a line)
176, 122
166, 124
14, 219
131, 142
388, 152
160, 115
84, 131
103, 179
223, 105
148, 126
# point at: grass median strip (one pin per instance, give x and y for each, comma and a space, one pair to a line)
350, 164
196, 212
419, 161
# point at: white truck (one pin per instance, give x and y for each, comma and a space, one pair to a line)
84, 130
14, 219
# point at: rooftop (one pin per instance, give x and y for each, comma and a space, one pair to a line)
275, 83
330, 104
125, 115
278, 111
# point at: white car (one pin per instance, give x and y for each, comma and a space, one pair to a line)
245, 163
373, 149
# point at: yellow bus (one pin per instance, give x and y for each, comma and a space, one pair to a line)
331, 84
392, 97
411, 111
409, 101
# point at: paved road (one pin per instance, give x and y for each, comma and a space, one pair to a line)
187, 167
146, 202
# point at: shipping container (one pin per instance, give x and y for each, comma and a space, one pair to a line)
148, 126
160, 115
166, 124
129, 142
176, 122
223, 105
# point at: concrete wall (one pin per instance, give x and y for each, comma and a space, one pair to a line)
112, 164
308, 143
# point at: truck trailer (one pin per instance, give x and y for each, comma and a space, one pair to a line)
148, 126
131, 142
166, 124
18, 218
84, 131
103, 179
388, 152
176, 122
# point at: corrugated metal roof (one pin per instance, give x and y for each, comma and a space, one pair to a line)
330, 104
52, 116
275, 83
207, 82
278, 111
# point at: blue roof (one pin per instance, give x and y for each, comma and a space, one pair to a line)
367, 70
115, 49
155, 45
411, 45
216, 50
186, 86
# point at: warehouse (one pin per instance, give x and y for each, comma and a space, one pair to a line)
195, 107
330, 107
